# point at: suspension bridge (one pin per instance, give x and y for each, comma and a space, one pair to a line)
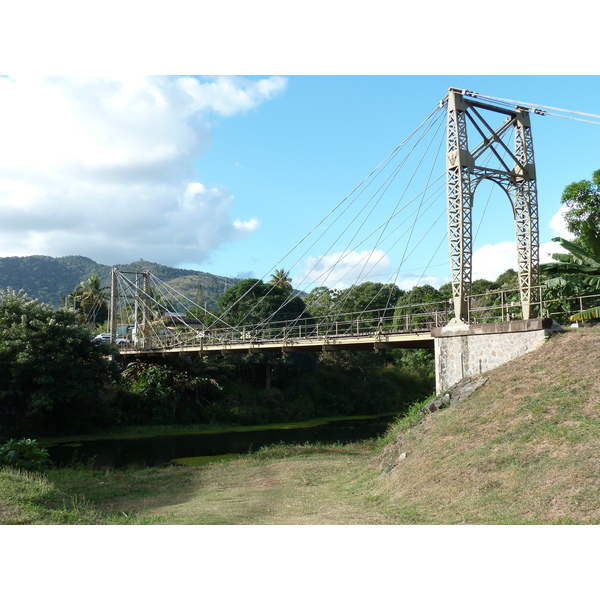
480, 138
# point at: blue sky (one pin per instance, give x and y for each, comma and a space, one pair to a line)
293, 159
228, 174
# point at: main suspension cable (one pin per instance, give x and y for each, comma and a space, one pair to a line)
539, 109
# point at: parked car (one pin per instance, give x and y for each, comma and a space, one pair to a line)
121, 342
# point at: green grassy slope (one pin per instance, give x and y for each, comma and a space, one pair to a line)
524, 448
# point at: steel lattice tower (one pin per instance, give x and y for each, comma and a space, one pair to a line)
464, 173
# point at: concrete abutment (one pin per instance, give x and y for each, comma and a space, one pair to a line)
470, 350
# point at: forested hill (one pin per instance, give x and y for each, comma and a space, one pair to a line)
51, 279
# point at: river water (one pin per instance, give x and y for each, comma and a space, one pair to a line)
162, 449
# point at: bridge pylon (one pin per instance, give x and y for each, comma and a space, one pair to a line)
466, 167
140, 318
114, 299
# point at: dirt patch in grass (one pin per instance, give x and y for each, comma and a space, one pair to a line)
10, 515
322, 488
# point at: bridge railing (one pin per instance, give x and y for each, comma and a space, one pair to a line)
499, 305
359, 324
561, 310
417, 317
496, 305
506, 305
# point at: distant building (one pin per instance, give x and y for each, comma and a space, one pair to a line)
172, 320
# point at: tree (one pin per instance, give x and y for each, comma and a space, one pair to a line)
252, 302
509, 280
422, 306
262, 310
372, 304
281, 279
582, 199
446, 290
51, 371
370, 296
91, 299
577, 273
167, 394
321, 301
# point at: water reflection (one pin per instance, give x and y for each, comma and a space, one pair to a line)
158, 450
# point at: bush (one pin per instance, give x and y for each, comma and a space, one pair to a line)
51, 371
163, 395
24, 454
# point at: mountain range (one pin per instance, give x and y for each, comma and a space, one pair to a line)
50, 280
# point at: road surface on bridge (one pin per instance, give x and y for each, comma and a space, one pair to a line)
374, 341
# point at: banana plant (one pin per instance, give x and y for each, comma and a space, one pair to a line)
577, 273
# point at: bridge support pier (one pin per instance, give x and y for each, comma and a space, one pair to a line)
470, 350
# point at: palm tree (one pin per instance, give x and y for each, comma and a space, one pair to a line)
92, 299
281, 279
578, 272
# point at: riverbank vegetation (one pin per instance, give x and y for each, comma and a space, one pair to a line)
55, 380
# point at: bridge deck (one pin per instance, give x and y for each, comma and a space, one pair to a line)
377, 341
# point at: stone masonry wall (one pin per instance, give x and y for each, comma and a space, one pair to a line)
469, 350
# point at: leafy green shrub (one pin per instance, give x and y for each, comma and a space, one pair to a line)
164, 395
24, 454
51, 371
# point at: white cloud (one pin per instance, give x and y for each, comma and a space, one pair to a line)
228, 95
408, 283
559, 226
549, 248
246, 226
559, 229
343, 269
104, 167
491, 260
